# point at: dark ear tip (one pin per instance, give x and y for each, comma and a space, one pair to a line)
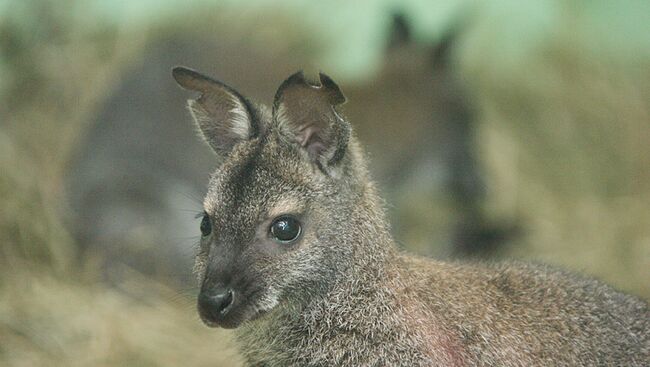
183, 75
181, 71
296, 78
401, 25
178, 69
400, 31
331, 86
333, 92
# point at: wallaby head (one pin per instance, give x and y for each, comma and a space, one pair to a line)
279, 206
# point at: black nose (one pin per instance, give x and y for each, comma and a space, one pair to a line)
215, 304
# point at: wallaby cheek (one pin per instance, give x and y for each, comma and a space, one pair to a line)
304, 272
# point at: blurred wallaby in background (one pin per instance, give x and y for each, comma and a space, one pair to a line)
425, 153
296, 253
138, 174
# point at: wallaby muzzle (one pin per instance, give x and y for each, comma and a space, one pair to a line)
219, 299
215, 304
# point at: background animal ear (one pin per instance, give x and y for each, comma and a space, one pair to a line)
400, 32
222, 115
442, 51
306, 113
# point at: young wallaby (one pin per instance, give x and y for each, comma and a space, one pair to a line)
297, 255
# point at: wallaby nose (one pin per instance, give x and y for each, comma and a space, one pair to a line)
214, 305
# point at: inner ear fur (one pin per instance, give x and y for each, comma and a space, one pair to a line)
222, 115
307, 113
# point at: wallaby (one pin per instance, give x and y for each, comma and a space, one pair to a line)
296, 254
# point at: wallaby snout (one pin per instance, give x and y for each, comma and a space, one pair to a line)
215, 305
220, 299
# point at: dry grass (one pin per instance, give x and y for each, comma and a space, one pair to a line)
52, 322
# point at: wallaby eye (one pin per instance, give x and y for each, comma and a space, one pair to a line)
206, 226
285, 229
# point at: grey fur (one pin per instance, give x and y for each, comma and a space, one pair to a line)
344, 295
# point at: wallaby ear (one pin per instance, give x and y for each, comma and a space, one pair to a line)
222, 115
307, 113
400, 32
442, 51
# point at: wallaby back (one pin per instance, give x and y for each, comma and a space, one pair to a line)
296, 254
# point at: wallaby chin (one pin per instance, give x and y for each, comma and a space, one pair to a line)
234, 320
296, 255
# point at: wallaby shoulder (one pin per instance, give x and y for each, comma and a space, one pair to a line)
554, 317
426, 312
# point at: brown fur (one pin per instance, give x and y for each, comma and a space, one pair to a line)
343, 294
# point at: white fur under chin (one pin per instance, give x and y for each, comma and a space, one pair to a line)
267, 303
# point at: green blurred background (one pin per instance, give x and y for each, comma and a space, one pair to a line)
495, 129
